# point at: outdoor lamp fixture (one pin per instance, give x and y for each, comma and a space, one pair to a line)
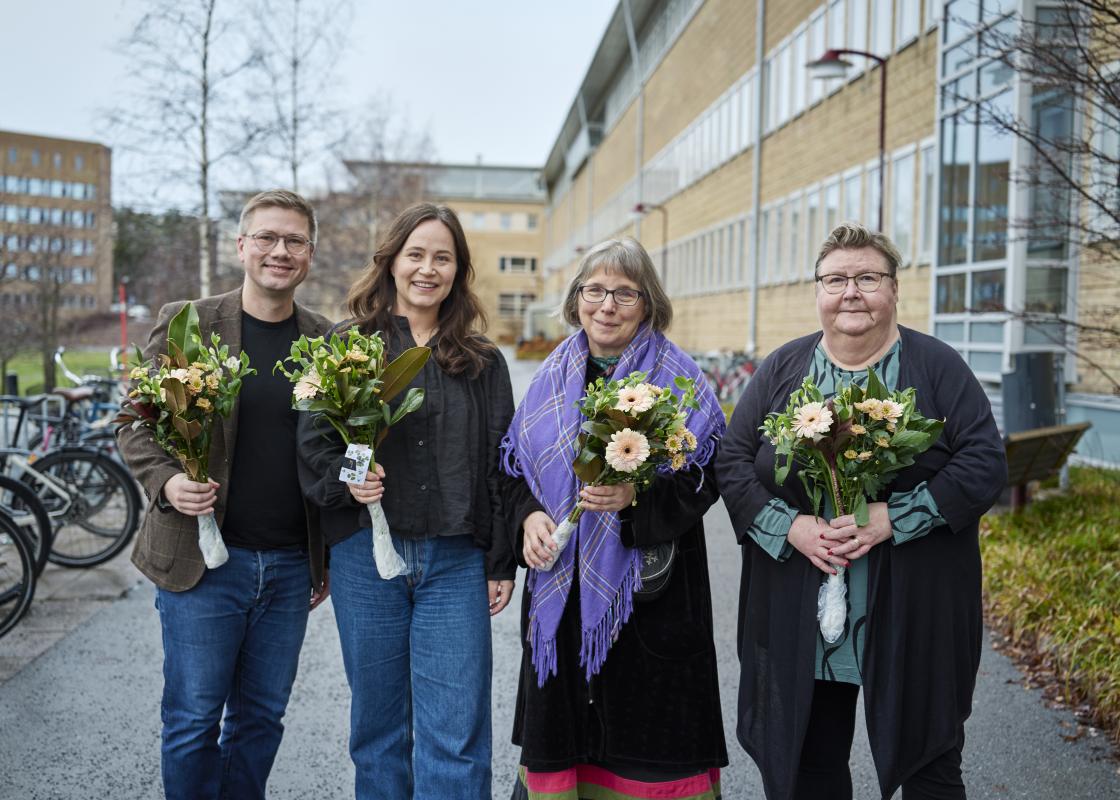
832, 65
644, 208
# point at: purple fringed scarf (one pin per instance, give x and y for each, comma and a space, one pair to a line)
540, 445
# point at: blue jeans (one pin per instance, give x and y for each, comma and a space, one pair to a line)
417, 655
232, 642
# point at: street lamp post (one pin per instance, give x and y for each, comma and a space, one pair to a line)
645, 208
832, 65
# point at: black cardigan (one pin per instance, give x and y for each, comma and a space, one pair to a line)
924, 614
486, 418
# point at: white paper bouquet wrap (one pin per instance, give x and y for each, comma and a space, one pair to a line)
347, 381
847, 449
178, 396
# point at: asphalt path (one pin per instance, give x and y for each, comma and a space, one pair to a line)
82, 720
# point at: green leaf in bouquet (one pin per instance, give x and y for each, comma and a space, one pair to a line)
911, 440
412, 401
860, 511
781, 470
875, 387
362, 420
621, 417
181, 332
402, 370
598, 430
588, 466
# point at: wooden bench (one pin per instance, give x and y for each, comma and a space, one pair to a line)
1038, 454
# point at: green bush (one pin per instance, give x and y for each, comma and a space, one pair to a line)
1052, 585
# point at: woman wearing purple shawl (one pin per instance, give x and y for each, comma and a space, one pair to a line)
618, 696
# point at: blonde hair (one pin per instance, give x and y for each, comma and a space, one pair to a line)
279, 198
853, 236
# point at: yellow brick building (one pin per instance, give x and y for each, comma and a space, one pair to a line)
699, 129
56, 222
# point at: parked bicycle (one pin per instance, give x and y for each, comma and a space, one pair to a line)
17, 573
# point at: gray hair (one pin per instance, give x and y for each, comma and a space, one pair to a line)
279, 198
853, 236
631, 259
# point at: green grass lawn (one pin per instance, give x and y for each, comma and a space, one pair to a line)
1052, 585
29, 368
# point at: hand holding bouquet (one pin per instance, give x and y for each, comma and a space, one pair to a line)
179, 400
347, 382
632, 430
847, 450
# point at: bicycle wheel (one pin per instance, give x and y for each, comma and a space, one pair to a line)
17, 574
98, 511
20, 502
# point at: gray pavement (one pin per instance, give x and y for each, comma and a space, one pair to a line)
80, 718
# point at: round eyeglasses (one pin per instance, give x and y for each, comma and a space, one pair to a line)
266, 240
597, 294
866, 282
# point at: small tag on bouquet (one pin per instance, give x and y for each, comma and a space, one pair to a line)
355, 463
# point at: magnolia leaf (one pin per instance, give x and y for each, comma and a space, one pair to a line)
598, 430
621, 417
178, 357
182, 331
588, 466
361, 420
194, 428
181, 426
861, 513
875, 387
916, 440
412, 401
176, 394
402, 370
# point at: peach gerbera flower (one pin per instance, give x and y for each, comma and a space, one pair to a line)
627, 450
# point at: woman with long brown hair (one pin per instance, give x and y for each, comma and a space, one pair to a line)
416, 647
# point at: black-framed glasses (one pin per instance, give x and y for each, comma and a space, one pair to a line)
266, 240
866, 282
624, 296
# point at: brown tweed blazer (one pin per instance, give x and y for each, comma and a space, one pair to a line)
166, 549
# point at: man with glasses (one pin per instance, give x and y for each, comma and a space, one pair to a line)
232, 635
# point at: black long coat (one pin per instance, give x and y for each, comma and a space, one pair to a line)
655, 703
924, 617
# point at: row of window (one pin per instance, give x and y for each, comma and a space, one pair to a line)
36, 157
517, 264
500, 221
513, 305
36, 215
837, 25
41, 187
33, 272
29, 299
34, 243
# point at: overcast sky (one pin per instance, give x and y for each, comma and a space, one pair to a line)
486, 78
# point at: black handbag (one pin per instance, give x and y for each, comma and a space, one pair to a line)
656, 570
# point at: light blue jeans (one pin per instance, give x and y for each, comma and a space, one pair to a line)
417, 655
232, 642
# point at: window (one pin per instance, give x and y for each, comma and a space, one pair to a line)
857, 33
927, 209
875, 209
13, 156
517, 264
478, 221
514, 304
813, 237
958, 137
800, 74
993, 169
793, 257
853, 208
902, 206
835, 39
79, 163
531, 221
831, 208
764, 247
816, 50
57, 160
35, 157
906, 20
881, 27
505, 221
933, 12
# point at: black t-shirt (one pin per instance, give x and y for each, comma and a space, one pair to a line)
265, 508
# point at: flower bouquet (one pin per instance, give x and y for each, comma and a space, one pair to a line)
178, 395
347, 382
847, 449
632, 430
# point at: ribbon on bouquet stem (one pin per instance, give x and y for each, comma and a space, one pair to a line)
832, 597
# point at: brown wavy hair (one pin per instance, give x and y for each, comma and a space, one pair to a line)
460, 347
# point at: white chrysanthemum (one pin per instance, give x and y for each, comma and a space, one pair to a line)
635, 399
307, 386
892, 411
812, 421
627, 450
233, 364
